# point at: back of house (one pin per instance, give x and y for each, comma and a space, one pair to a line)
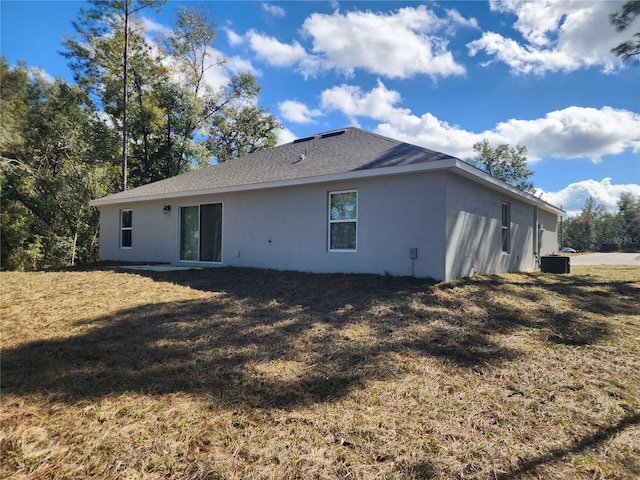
346, 201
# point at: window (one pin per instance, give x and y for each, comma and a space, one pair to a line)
506, 228
343, 220
201, 233
126, 223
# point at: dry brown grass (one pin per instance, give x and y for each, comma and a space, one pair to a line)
242, 374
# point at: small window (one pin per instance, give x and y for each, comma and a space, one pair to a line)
343, 221
506, 228
126, 223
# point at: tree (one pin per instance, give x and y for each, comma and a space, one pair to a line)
56, 156
595, 229
629, 212
172, 110
59, 142
191, 45
17, 222
187, 100
237, 127
588, 221
234, 124
621, 20
104, 48
608, 230
505, 163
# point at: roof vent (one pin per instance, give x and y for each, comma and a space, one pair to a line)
300, 157
305, 139
332, 134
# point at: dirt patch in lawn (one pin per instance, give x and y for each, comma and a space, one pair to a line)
234, 373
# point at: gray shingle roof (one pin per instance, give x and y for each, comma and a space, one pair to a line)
336, 152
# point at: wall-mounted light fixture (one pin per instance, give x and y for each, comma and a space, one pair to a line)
166, 209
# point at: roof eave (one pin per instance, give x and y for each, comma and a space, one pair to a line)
452, 163
472, 172
353, 174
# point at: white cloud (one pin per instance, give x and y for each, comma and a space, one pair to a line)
572, 198
274, 10
558, 36
233, 38
433, 133
152, 27
41, 74
396, 45
455, 20
297, 112
237, 64
275, 52
400, 44
381, 104
378, 104
536, 18
522, 59
574, 132
285, 136
104, 117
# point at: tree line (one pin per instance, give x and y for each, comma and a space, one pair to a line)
141, 111
595, 229
138, 112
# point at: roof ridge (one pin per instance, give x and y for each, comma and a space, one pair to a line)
395, 141
326, 134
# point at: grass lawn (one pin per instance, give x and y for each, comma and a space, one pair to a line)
247, 374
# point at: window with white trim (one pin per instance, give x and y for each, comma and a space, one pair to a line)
343, 221
126, 228
506, 228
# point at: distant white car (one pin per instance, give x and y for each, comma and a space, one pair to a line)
569, 250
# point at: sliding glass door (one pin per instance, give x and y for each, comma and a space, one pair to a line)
201, 233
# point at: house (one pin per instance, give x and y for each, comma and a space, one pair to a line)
342, 201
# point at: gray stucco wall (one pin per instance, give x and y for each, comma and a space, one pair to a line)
154, 235
474, 230
550, 235
287, 228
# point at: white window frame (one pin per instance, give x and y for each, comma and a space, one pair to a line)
331, 222
123, 229
505, 229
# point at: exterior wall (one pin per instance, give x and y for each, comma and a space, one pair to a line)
154, 234
287, 228
474, 230
549, 240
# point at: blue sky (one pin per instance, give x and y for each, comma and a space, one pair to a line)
443, 75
